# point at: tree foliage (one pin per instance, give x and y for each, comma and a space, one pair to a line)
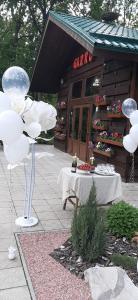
22, 24
88, 235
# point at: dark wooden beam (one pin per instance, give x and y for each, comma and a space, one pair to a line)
115, 55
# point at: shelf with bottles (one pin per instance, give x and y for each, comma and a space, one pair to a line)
112, 138
99, 125
101, 148
115, 110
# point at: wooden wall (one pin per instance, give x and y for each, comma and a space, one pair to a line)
118, 82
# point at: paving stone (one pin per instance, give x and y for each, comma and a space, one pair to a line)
46, 215
12, 277
66, 223
6, 263
52, 225
5, 243
19, 293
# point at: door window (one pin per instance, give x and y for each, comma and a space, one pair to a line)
76, 89
70, 122
76, 123
84, 124
92, 85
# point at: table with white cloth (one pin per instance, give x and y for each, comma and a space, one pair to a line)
108, 188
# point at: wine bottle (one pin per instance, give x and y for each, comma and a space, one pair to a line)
74, 164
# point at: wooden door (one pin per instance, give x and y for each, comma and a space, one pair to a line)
79, 130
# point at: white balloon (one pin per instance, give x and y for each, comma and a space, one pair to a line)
18, 105
30, 112
5, 102
134, 133
17, 151
15, 82
43, 109
33, 130
48, 123
134, 117
11, 126
129, 144
53, 112
128, 106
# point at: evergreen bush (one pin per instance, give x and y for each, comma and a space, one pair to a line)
122, 219
88, 234
125, 261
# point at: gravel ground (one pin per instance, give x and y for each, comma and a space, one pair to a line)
50, 280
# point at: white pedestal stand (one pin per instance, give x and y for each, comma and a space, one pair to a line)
27, 220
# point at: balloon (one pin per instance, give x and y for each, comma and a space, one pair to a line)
31, 113
53, 112
128, 106
18, 105
17, 151
11, 126
33, 130
5, 102
134, 133
134, 117
129, 144
47, 123
15, 82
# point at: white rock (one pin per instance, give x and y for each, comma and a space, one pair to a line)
110, 283
79, 260
11, 253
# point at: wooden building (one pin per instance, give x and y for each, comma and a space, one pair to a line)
93, 67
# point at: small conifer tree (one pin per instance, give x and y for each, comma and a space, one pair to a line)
88, 234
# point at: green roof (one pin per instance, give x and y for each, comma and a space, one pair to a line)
99, 34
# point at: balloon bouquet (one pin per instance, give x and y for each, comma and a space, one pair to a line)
21, 121
129, 109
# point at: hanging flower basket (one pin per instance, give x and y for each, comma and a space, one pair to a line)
100, 100
115, 115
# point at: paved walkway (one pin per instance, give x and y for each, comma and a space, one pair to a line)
47, 207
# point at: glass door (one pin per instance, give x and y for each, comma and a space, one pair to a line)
84, 132
76, 129
79, 129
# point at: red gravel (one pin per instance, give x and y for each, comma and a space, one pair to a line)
50, 280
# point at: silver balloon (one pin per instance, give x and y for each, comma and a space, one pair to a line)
15, 82
128, 106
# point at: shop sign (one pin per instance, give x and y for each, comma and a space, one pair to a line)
81, 60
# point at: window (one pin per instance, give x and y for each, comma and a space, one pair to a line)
70, 122
76, 123
84, 124
76, 89
92, 85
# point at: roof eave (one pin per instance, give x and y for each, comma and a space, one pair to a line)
84, 40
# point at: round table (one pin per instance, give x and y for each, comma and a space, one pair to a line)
78, 185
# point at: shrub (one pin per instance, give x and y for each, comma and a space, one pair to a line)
122, 220
126, 262
88, 236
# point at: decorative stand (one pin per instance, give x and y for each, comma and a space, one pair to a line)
132, 171
26, 220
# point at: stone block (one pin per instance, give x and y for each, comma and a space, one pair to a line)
110, 283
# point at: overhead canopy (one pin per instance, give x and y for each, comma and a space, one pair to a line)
64, 34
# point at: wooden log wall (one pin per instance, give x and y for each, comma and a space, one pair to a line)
117, 83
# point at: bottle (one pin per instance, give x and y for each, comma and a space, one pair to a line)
92, 159
74, 164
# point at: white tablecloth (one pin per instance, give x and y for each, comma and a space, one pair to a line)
108, 188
